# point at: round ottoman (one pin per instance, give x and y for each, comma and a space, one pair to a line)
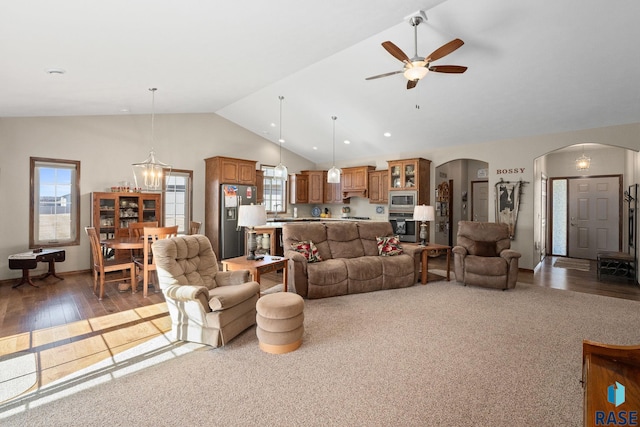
280, 322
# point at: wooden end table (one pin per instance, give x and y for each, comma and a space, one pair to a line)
424, 257
257, 267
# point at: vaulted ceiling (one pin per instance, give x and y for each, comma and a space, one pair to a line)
534, 67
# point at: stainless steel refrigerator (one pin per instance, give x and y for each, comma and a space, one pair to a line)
232, 240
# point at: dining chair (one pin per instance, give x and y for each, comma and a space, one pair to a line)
100, 266
135, 228
194, 227
146, 263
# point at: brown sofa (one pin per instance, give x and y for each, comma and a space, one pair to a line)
350, 261
482, 255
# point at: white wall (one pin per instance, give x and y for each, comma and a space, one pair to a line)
107, 145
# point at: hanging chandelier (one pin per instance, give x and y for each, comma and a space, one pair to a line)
333, 175
148, 174
583, 162
280, 171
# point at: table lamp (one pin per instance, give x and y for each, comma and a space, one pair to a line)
423, 214
250, 216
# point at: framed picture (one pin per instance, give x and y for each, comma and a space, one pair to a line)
507, 204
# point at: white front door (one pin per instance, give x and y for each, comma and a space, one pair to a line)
594, 216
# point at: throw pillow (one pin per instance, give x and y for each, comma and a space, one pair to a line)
389, 246
308, 249
481, 248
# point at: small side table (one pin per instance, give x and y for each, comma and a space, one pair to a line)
27, 261
257, 267
424, 257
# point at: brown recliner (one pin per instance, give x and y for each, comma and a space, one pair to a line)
482, 255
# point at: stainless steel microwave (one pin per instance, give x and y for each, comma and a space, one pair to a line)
402, 201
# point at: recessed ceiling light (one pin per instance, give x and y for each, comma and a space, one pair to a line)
315, 148
387, 134
55, 71
346, 141
124, 110
273, 125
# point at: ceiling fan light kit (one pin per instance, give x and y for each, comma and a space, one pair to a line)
418, 67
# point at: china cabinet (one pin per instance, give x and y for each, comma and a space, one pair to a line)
111, 212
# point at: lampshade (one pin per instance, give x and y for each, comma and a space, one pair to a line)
424, 213
251, 215
149, 173
583, 162
333, 175
281, 171
417, 71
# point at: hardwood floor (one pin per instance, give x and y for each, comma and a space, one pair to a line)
69, 329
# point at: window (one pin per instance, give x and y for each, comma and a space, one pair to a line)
178, 204
275, 191
54, 213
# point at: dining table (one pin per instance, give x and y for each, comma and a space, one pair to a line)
123, 243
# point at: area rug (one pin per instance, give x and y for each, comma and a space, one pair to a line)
433, 355
573, 263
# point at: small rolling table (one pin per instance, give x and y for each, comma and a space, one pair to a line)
257, 267
27, 261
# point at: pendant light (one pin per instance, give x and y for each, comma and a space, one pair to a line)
148, 174
280, 171
583, 162
333, 175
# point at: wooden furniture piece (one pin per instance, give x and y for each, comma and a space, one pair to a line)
136, 228
411, 174
275, 240
431, 249
146, 264
222, 170
332, 192
194, 227
298, 188
111, 212
379, 187
258, 267
605, 370
315, 185
355, 181
100, 266
27, 261
259, 186
620, 264
444, 212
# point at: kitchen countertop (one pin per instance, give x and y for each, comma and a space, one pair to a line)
271, 223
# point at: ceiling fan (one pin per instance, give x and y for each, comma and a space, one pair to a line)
417, 67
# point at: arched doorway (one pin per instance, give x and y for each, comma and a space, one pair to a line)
461, 193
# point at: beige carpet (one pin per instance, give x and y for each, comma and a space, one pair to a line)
573, 263
436, 355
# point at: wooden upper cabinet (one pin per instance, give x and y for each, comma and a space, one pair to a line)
298, 188
315, 185
379, 187
237, 171
411, 174
355, 181
259, 186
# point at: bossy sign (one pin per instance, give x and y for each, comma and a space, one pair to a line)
509, 171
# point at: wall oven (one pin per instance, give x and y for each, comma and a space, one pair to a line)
401, 204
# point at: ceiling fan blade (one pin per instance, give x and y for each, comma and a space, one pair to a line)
444, 50
448, 69
412, 83
395, 51
384, 75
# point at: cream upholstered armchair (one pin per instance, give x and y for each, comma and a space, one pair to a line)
206, 305
482, 255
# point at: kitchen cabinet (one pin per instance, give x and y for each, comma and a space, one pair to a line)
409, 175
259, 187
355, 181
379, 187
332, 192
222, 170
315, 183
298, 188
